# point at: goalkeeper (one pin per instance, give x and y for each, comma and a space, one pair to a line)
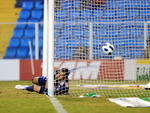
61, 85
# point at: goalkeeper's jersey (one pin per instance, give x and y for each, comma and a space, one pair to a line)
61, 86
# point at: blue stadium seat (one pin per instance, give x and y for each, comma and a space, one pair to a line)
112, 32
74, 14
22, 53
24, 14
62, 42
39, 5
144, 13
10, 53
29, 33
25, 42
41, 53
22, 20
14, 42
85, 14
31, 24
121, 13
28, 5
124, 33
109, 14
73, 42
36, 14
18, 33
41, 33
33, 53
133, 4
99, 32
41, 23
61, 14
132, 13
65, 5
120, 4
137, 32
97, 14
40, 42
77, 4
111, 4
20, 23
57, 33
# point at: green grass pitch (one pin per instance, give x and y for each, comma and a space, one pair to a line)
21, 101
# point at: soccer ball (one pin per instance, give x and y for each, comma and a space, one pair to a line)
108, 48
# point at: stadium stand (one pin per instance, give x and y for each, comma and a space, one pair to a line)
112, 11
31, 12
8, 13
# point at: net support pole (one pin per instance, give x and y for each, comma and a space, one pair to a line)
48, 51
31, 58
90, 41
145, 34
37, 41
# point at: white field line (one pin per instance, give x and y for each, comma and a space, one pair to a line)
57, 105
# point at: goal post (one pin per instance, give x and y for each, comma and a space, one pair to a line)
48, 45
76, 30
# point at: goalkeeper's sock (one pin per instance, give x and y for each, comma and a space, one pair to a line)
30, 88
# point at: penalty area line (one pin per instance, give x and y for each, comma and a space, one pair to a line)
57, 105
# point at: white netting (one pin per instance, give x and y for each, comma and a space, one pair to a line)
81, 29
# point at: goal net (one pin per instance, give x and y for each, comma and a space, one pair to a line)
81, 27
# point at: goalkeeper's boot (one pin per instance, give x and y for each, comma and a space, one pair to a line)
21, 87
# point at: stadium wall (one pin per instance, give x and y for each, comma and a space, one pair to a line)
80, 69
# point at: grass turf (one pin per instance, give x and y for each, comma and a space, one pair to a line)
16, 101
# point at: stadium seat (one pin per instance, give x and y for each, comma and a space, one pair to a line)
36, 14
97, 14
24, 14
18, 33
74, 14
28, 5
41, 53
41, 33
21, 23
77, 4
25, 42
120, 4
121, 13
99, 32
85, 14
10, 53
73, 43
57, 33
111, 4
137, 32
66, 5
62, 14
29, 33
40, 42
109, 14
22, 53
39, 5
144, 13
124, 33
132, 13
41, 23
31, 24
14, 42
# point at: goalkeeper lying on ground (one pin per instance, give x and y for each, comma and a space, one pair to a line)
40, 83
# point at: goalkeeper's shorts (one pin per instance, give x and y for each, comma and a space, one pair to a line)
42, 80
